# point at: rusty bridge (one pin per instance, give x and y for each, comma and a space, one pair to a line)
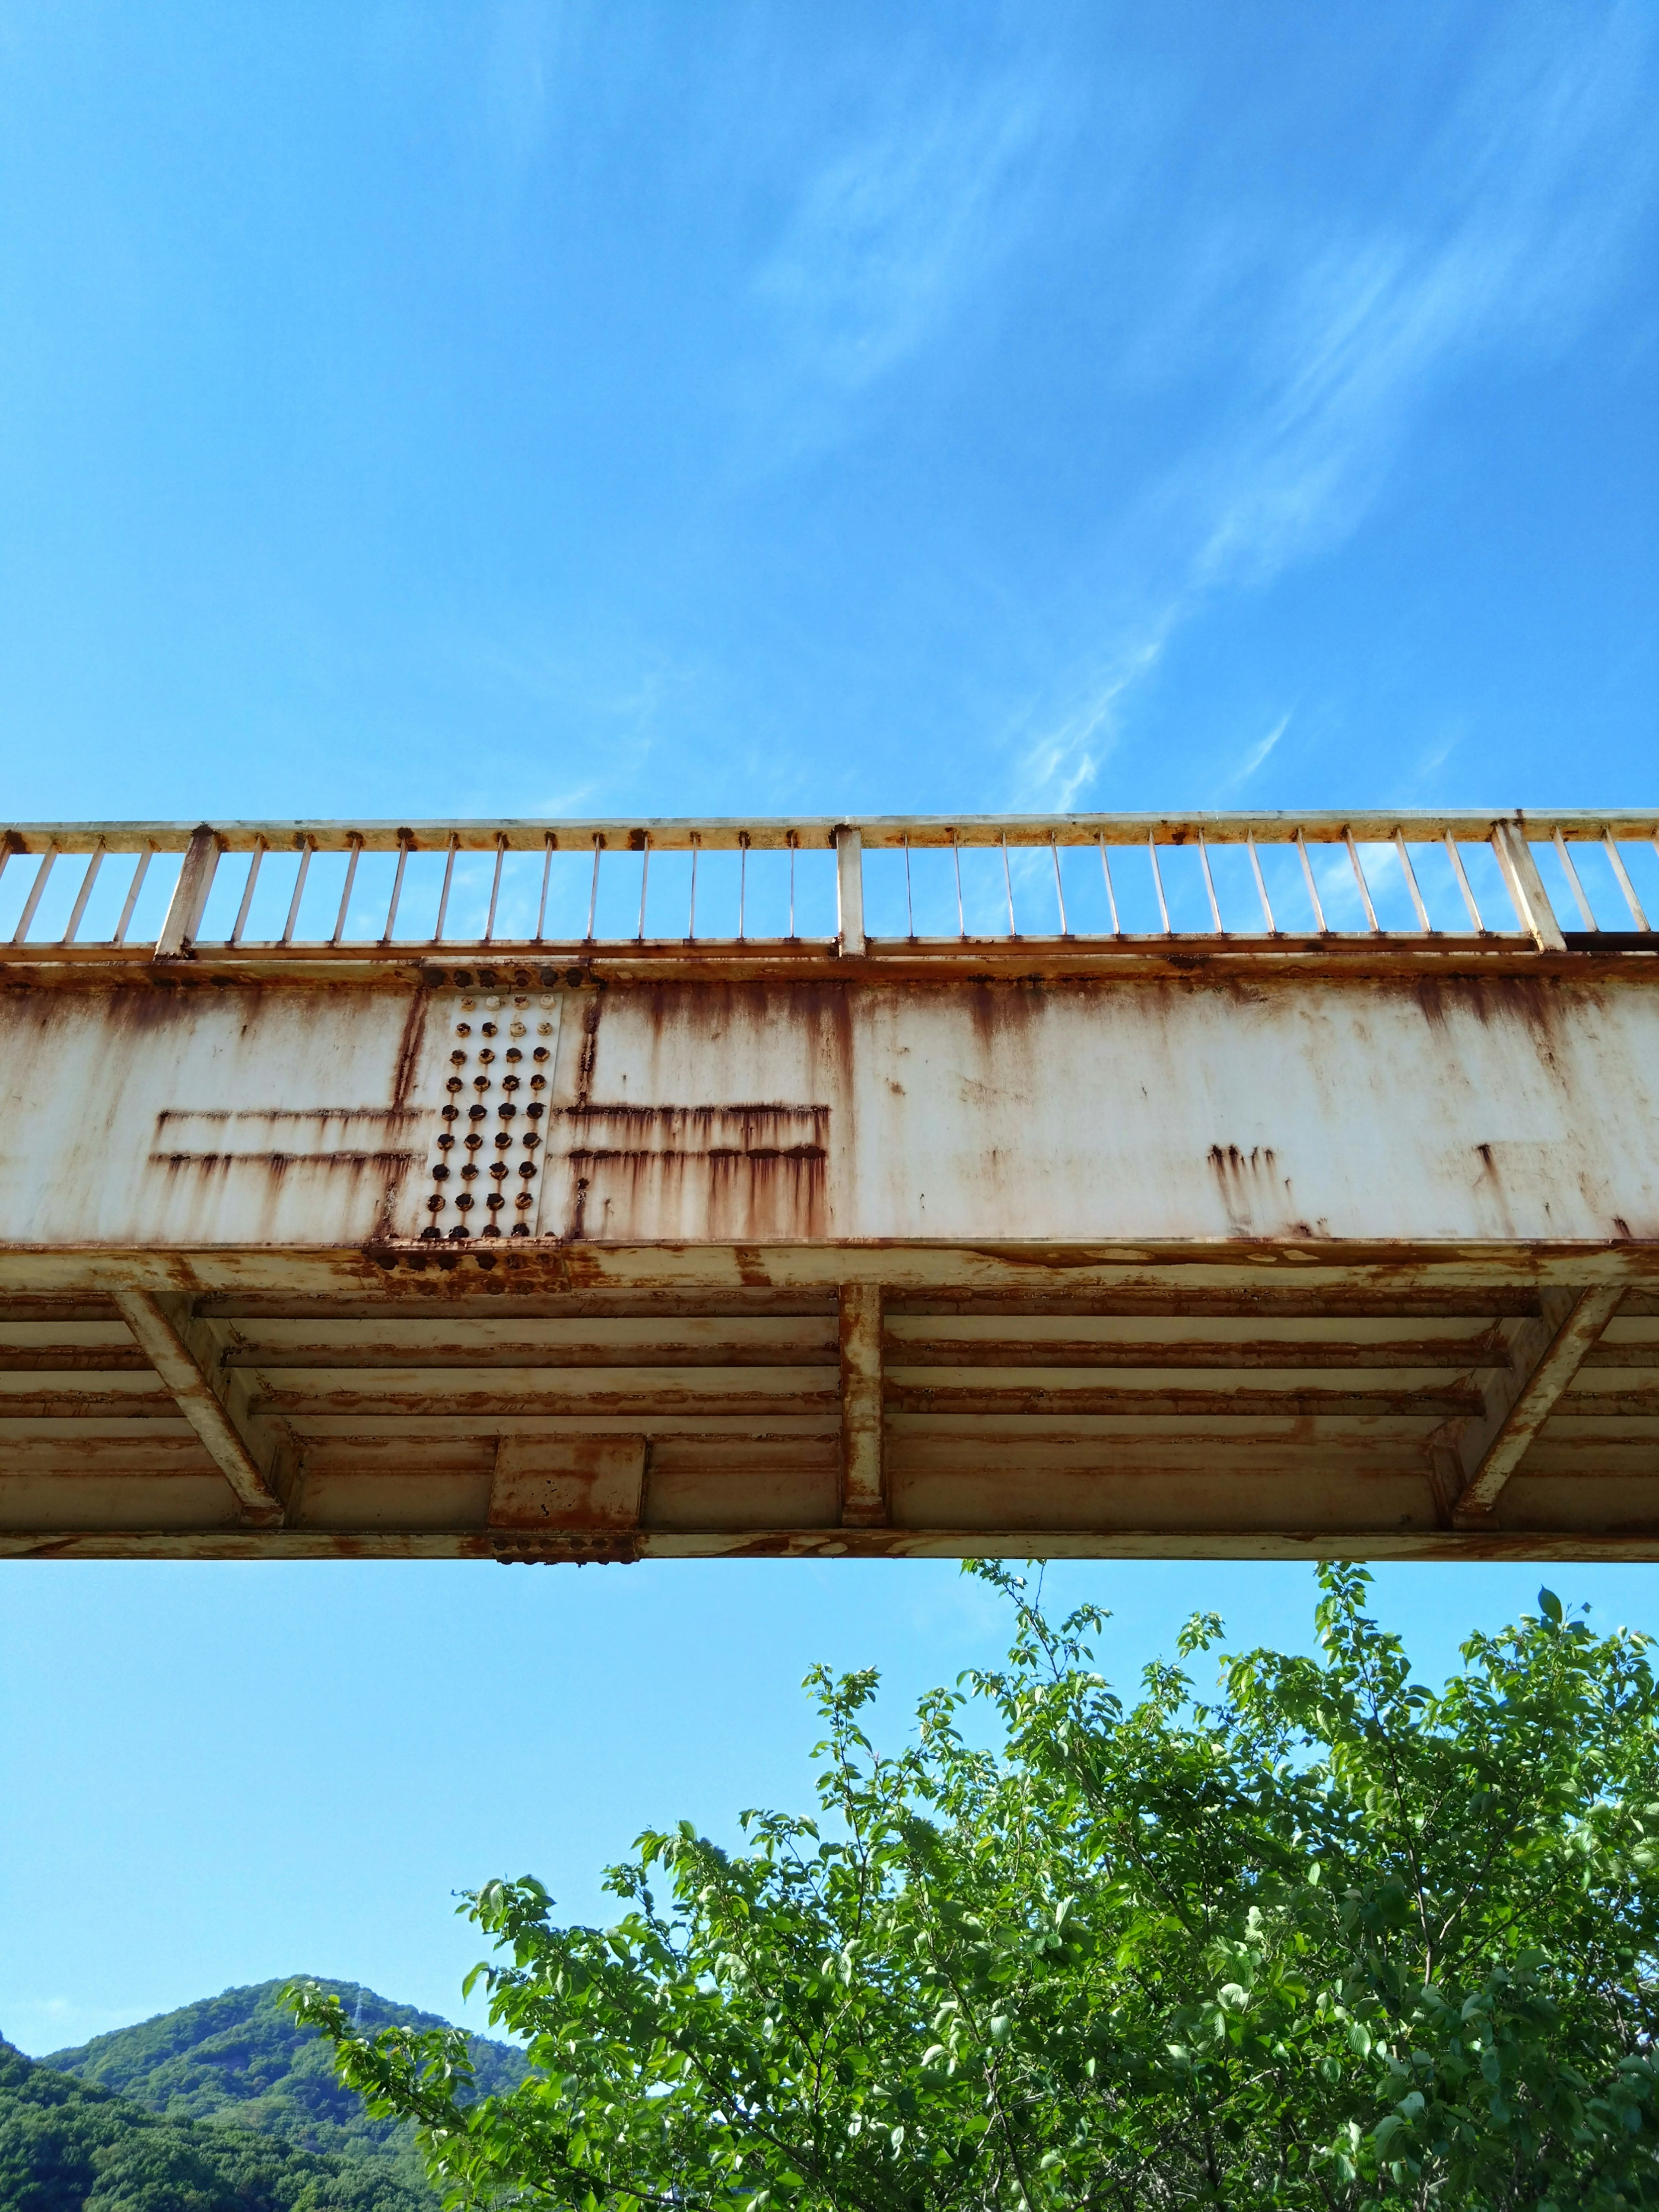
1227, 1185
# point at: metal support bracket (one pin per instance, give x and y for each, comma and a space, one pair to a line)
849, 892
1546, 1352
253, 1454
863, 1421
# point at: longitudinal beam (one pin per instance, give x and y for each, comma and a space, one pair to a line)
180, 1347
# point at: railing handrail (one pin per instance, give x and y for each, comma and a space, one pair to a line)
1509, 837
805, 833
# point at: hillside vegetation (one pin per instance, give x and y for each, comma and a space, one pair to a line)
227, 2102
67, 2147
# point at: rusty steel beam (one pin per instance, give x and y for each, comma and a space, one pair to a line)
182, 1349
863, 1412
1273, 1246
1546, 1353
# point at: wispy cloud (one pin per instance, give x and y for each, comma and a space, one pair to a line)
1517, 222
1055, 766
887, 238
1257, 754
1530, 199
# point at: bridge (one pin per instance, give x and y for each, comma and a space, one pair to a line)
1216, 1185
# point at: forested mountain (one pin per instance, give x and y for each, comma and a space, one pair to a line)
67, 2147
227, 2102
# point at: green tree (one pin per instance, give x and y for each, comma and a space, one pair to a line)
1333, 1940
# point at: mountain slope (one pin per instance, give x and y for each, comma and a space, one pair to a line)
239, 2059
66, 2147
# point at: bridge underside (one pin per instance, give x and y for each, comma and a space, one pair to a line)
531, 1405
1031, 1251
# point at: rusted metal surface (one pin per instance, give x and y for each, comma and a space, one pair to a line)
1217, 1244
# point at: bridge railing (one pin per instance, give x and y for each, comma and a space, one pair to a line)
165, 887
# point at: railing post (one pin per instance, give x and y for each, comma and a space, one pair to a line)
190, 894
1526, 887
849, 890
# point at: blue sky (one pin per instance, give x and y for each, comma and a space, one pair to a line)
411, 410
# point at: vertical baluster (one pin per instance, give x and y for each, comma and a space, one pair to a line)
548, 843
48, 857
1111, 895
1364, 888
1313, 888
1578, 889
254, 859
594, 889
449, 877
691, 926
397, 887
1480, 929
299, 890
1261, 887
644, 878
1008, 885
1158, 884
955, 855
1059, 888
496, 886
85, 891
1209, 884
356, 846
1625, 883
909, 909
133, 889
743, 882
1410, 874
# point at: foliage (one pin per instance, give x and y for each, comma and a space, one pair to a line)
66, 2147
1333, 1940
242, 2058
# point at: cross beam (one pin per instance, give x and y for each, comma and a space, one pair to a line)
181, 1347
1546, 1352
